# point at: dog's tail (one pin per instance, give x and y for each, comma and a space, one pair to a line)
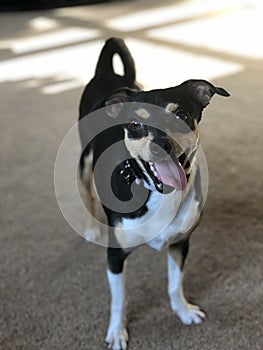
105, 63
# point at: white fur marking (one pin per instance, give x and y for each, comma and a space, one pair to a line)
142, 113
185, 216
187, 313
171, 107
139, 147
117, 336
142, 230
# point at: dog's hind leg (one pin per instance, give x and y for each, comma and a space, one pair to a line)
117, 336
95, 231
188, 313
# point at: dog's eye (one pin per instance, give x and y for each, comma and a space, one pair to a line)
181, 114
135, 125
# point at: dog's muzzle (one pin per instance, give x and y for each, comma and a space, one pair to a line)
165, 169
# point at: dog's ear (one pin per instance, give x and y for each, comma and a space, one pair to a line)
114, 103
203, 91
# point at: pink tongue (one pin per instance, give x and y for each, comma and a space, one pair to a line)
171, 173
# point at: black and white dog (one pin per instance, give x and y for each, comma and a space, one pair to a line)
151, 169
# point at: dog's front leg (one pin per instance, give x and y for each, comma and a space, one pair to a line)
117, 336
187, 313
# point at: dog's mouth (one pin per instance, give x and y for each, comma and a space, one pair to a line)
166, 174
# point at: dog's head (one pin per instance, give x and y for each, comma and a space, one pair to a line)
163, 140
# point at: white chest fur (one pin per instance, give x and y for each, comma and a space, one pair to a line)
168, 219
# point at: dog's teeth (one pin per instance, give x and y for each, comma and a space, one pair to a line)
151, 167
127, 165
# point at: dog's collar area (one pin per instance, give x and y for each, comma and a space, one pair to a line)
128, 173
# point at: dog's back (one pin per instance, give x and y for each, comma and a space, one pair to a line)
104, 83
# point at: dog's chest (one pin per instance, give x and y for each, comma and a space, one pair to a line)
169, 219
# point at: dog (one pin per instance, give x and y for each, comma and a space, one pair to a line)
151, 166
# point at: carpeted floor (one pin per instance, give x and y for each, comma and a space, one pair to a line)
54, 292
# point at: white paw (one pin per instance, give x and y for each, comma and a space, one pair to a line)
191, 314
117, 339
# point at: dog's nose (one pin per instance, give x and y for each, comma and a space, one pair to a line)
160, 147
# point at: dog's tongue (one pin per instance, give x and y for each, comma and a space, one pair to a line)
171, 173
